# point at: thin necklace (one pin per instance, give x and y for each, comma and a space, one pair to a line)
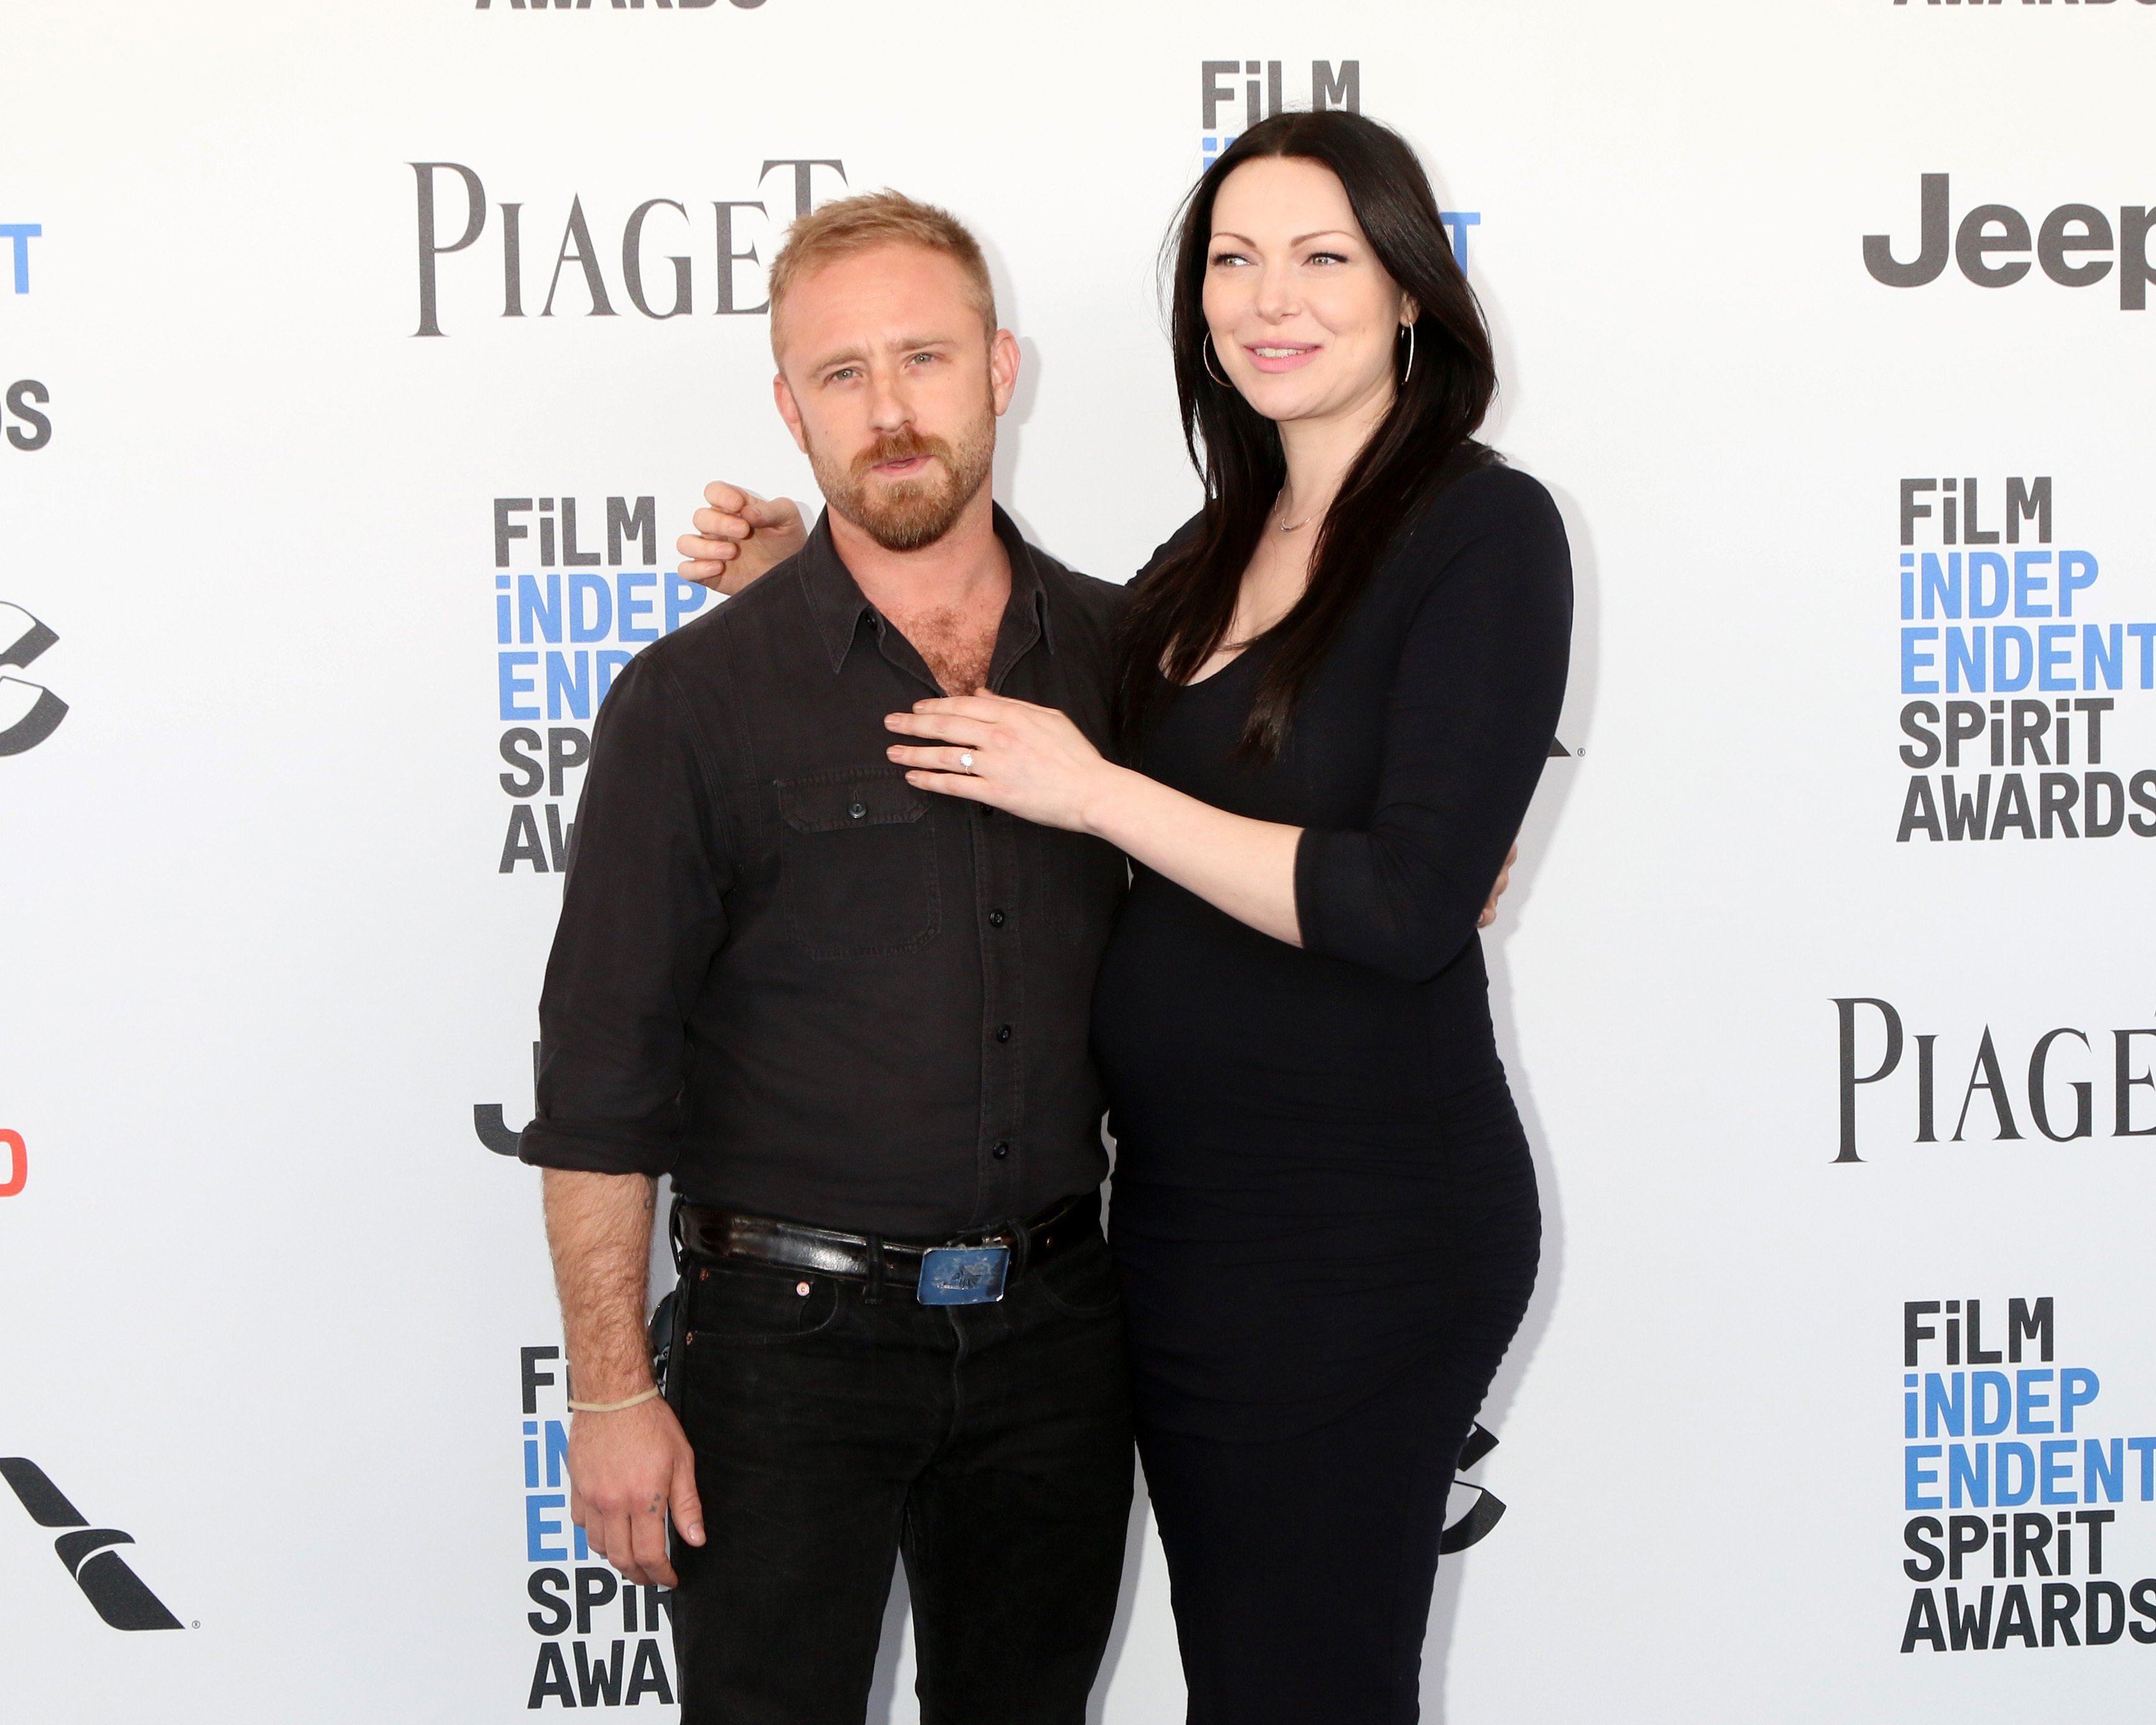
1293, 526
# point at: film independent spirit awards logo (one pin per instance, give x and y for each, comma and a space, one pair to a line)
90, 1554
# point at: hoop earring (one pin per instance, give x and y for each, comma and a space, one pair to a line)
1205, 359
1410, 371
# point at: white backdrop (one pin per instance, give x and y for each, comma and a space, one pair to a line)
264, 1290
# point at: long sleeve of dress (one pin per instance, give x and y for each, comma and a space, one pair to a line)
1473, 712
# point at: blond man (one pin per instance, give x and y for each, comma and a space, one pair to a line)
850, 1020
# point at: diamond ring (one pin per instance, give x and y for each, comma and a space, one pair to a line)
966, 761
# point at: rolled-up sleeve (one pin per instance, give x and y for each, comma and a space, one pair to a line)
643, 914
1473, 710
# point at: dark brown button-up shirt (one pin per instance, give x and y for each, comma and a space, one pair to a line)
792, 981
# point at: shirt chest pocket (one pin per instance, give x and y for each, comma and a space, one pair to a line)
857, 863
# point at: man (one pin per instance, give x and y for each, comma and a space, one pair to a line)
849, 1018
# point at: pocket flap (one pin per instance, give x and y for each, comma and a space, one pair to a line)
842, 797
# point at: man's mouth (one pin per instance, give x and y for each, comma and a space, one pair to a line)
906, 467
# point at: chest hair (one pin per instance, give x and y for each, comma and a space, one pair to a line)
958, 645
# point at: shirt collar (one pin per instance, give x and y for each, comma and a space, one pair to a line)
839, 604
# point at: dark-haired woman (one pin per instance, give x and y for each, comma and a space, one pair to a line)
1343, 677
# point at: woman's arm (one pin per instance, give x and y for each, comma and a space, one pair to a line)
1033, 763
1473, 706
739, 537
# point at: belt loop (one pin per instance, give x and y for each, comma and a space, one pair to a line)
674, 1231
874, 1294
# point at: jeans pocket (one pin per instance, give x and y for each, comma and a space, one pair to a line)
1082, 1281
752, 1305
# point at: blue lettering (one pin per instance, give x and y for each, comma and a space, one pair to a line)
2055, 647
2077, 1388
1992, 1385
682, 598
1915, 1477
530, 609
558, 1451
1914, 661
1982, 563
632, 608
1964, 660
596, 588
2071, 583
2102, 656
2007, 1496
537, 1526
2003, 681
1942, 587
2027, 1399
1938, 1405
2058, 1471
2145, 633
514, 684
2102, 1473
22, 233
611, 660
2027, 584
1968, 1475
564, 688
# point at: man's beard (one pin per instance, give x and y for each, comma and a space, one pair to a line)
913, 512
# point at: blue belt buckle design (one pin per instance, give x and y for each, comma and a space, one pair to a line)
963, 1276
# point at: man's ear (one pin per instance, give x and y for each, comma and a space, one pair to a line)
790, 409
1004, 358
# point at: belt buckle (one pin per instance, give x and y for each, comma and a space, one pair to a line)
963, 1276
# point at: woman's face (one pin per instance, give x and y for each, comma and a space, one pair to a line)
1305, 320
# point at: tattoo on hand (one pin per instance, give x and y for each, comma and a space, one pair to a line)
658, 1504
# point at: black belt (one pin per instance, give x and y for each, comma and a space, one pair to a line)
973, 1270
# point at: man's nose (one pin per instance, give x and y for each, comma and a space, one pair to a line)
888, 408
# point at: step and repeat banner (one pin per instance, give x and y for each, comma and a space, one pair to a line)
358, 367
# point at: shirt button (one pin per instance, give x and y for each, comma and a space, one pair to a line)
996, 919
1000, 1152
1002, 1033
858, 810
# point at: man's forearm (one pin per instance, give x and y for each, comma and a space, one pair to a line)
598, 1227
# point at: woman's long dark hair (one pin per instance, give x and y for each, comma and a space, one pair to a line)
1183, 611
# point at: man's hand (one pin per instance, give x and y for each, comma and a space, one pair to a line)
739, 537
626, 1469
1504, 879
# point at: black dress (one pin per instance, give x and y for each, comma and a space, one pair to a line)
1324, 1206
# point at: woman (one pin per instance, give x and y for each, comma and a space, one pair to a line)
1340, 680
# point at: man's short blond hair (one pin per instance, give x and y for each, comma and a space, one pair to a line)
848, 226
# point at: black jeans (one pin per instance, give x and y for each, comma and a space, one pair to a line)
989, 1445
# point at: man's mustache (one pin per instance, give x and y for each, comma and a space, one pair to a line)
901, 446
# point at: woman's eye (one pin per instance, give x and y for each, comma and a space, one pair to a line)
1327, 258
1229, 258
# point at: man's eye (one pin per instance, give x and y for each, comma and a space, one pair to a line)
844, 374
922, 357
